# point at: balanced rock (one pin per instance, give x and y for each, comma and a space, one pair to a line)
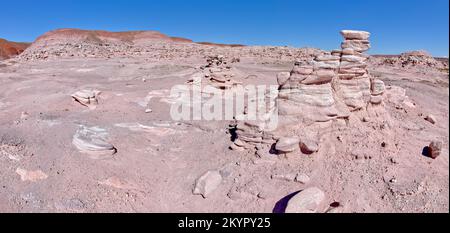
307, 201
207, 183
355, 35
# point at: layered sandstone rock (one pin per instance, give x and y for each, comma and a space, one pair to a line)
329, 87
93, 141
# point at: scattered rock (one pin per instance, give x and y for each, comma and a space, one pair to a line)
409, 104
307, 201
302, 179
285, 177
287, 144
24, 116
87, 98
337, 210
435, 149
118, 183
32, 176
308, 146
393, 160
235, 147
366, 119
262, 195
94, 142
207, 183
430, 118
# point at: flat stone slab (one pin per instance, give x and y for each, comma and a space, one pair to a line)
93, 141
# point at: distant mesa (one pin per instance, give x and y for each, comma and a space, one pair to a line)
102, 36
221, 45
127, 36
9, 49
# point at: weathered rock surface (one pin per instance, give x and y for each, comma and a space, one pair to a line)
93, 141
327, 88
435, 149
307, 201
302, 178
309, 146
87, 98
287, 144
207, 183
431, 118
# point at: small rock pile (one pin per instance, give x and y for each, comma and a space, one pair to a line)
219, 72
413, 59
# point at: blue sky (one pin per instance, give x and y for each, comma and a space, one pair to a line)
396, 25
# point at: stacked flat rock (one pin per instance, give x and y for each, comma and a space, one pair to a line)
329, 87
219, 72
355, 85
258, 131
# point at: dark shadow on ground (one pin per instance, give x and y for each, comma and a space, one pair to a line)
281, 205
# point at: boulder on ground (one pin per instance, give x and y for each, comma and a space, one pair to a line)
307, 201
309, 146
435, 149
287, 144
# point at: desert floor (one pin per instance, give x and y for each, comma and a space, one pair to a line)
158, 160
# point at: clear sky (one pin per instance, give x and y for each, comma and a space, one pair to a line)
396, 25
